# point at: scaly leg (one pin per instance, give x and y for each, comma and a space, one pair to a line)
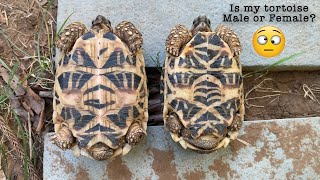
69, 36
178, 37
239, 117
230, 37
173, 124
129, 34
135, 134
64, 138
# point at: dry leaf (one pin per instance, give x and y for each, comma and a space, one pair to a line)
17, 107
42, 2
18, 89
25, 101
36, 103
2, 175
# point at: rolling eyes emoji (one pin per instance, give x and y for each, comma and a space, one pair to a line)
268, 41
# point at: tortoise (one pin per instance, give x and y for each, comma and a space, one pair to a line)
203, 104
100, 90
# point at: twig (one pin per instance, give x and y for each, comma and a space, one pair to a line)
244, 142
256, 87
262, 97
259, 88
309, 93
30, 137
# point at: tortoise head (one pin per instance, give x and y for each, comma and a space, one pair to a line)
101, 23
101, 151
201, 24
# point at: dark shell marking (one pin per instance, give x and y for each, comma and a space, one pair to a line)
203, 86
98, 70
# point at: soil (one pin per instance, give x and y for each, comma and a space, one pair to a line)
274, 95
27, 30
285, 96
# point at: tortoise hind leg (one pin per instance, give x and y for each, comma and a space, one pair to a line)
69, 35
130, 35
173, 124
135, 134
178, 37
64, 138
230, 37
238, 118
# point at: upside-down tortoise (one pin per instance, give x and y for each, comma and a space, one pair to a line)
202, 86
100, 91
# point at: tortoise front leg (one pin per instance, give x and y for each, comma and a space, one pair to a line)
69, 36
64, 138
230, 37
178, 37
130, 35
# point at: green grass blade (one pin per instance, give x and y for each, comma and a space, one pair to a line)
156, 61
62, 26
23, 135
285, 59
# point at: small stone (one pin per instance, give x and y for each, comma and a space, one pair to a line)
175, 36
129, 32
125, 29
72, 29
286, 114
67, 33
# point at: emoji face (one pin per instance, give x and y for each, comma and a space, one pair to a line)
268, 41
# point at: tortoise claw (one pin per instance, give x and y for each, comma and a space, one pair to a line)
173, 51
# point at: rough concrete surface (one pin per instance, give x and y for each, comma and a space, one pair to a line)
156, 18
280, 149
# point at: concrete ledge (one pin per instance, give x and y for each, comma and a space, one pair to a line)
280, 149
156, 18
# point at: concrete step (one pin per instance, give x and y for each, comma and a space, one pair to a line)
280, 149
156, 18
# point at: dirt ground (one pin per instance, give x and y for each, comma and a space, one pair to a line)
278, 95
27, 29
